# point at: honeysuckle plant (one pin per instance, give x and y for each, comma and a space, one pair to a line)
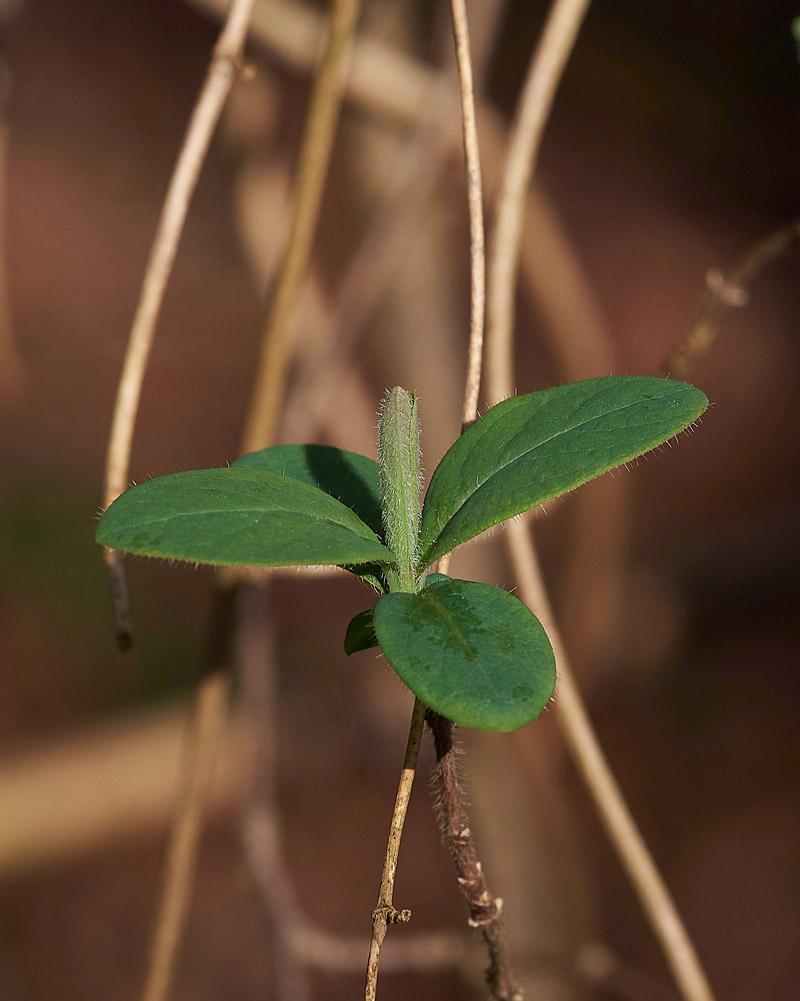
471, 652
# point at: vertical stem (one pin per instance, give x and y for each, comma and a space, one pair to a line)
484, 909
475, 201
544, 73
398, 455
385, 912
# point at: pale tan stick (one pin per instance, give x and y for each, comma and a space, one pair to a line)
609, 802
209, 709
208, 720
724, 291
385, 912
389, 83
503, 266
216, 87
582, 344
485, 910
475, 200
544, 72
258, 431
313, 159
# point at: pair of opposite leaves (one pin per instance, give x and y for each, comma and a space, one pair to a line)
472, 652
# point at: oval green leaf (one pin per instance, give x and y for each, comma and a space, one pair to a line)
360, 634
238, 517
531, 448
349, 477
472, 652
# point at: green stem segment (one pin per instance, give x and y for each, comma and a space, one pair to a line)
399, 460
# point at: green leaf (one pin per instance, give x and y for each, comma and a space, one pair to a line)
531, 448
472, 652
349, 477
360, 633
237, 517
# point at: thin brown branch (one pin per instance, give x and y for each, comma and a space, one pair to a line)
484, 909
533, 109
313, 159
385, 912
216, 87
725, 291
475, 200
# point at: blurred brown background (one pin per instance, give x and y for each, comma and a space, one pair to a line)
672, 147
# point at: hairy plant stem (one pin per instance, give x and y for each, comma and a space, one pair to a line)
484, 910
398, 460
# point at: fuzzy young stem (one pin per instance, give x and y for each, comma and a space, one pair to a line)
484, 909
398, 457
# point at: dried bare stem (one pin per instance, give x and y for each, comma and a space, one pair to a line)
608, 799
210, 705
724, 291
533, 109
207, 724
216, 87
580, 737
385, 912
582, 345
259, 431
475, 201
546, 68
313, 159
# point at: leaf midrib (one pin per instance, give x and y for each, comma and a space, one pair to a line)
499, 469
261, 511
